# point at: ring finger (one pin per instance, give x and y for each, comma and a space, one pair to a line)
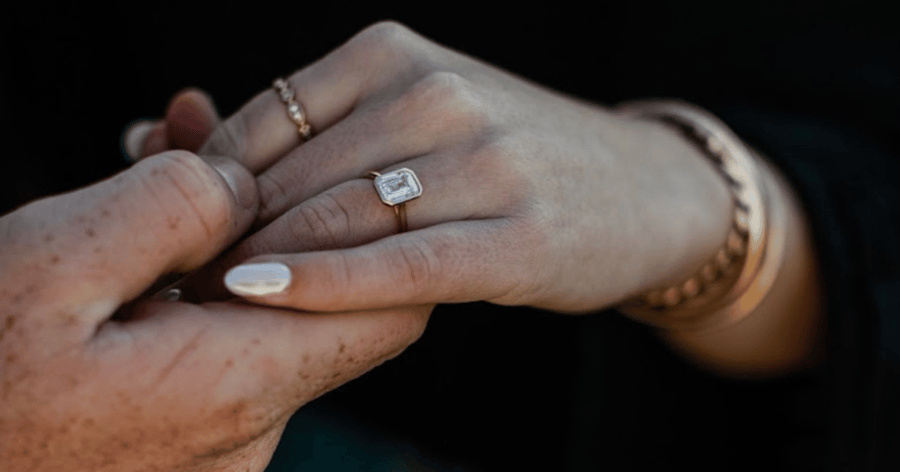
352, 214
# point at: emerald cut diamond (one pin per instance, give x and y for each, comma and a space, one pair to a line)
398, 186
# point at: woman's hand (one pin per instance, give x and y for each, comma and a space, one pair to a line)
91, 380
530, 197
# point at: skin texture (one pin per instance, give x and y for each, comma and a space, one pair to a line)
531, 198
91, 380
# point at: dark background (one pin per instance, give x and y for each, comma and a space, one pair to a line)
485, 388
73, 75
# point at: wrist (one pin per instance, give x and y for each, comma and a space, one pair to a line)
727, 283
786, 330
695, 205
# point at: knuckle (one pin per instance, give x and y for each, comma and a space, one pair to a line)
417, 265
386, 50
387, 34
186, 185
454, 98
501, 163
324, 220
335, 282
272, 196
442, 86
522, 290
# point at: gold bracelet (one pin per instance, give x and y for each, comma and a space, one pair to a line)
735, 281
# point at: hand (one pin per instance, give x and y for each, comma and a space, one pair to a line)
530, 197
91, 380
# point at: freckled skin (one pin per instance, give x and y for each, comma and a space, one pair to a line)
7, 325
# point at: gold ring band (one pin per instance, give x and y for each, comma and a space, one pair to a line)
395, 188
295, 110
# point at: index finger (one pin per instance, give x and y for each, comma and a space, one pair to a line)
328, 90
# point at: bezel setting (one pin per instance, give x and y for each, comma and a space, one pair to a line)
398, 186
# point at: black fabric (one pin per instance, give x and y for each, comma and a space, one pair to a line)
849, 187
814, 85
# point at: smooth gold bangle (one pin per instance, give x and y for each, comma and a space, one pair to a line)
734, 282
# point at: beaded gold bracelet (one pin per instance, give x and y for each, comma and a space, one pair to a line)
728, 286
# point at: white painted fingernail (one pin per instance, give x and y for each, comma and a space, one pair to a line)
258, 279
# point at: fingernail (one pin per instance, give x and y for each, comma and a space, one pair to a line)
258, 279
239, 180
133, 139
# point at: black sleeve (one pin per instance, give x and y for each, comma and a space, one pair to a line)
849, 187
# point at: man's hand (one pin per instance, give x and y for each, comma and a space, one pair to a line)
92, 379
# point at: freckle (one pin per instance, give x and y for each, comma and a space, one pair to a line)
351, 359
8, 324
306, 358
44, 445
90, 233
10, 358
229, 363
256, 341
54, 259
125, 445
48, 237
105, 213
98, 250
239, 408
89, 423
303, 375
173, 222
342, 347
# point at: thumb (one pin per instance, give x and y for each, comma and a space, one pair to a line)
94, 249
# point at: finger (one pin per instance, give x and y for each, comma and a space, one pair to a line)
89, 251
190, 119
449, 263
328, 90
439, 111
456, 186
236, 370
